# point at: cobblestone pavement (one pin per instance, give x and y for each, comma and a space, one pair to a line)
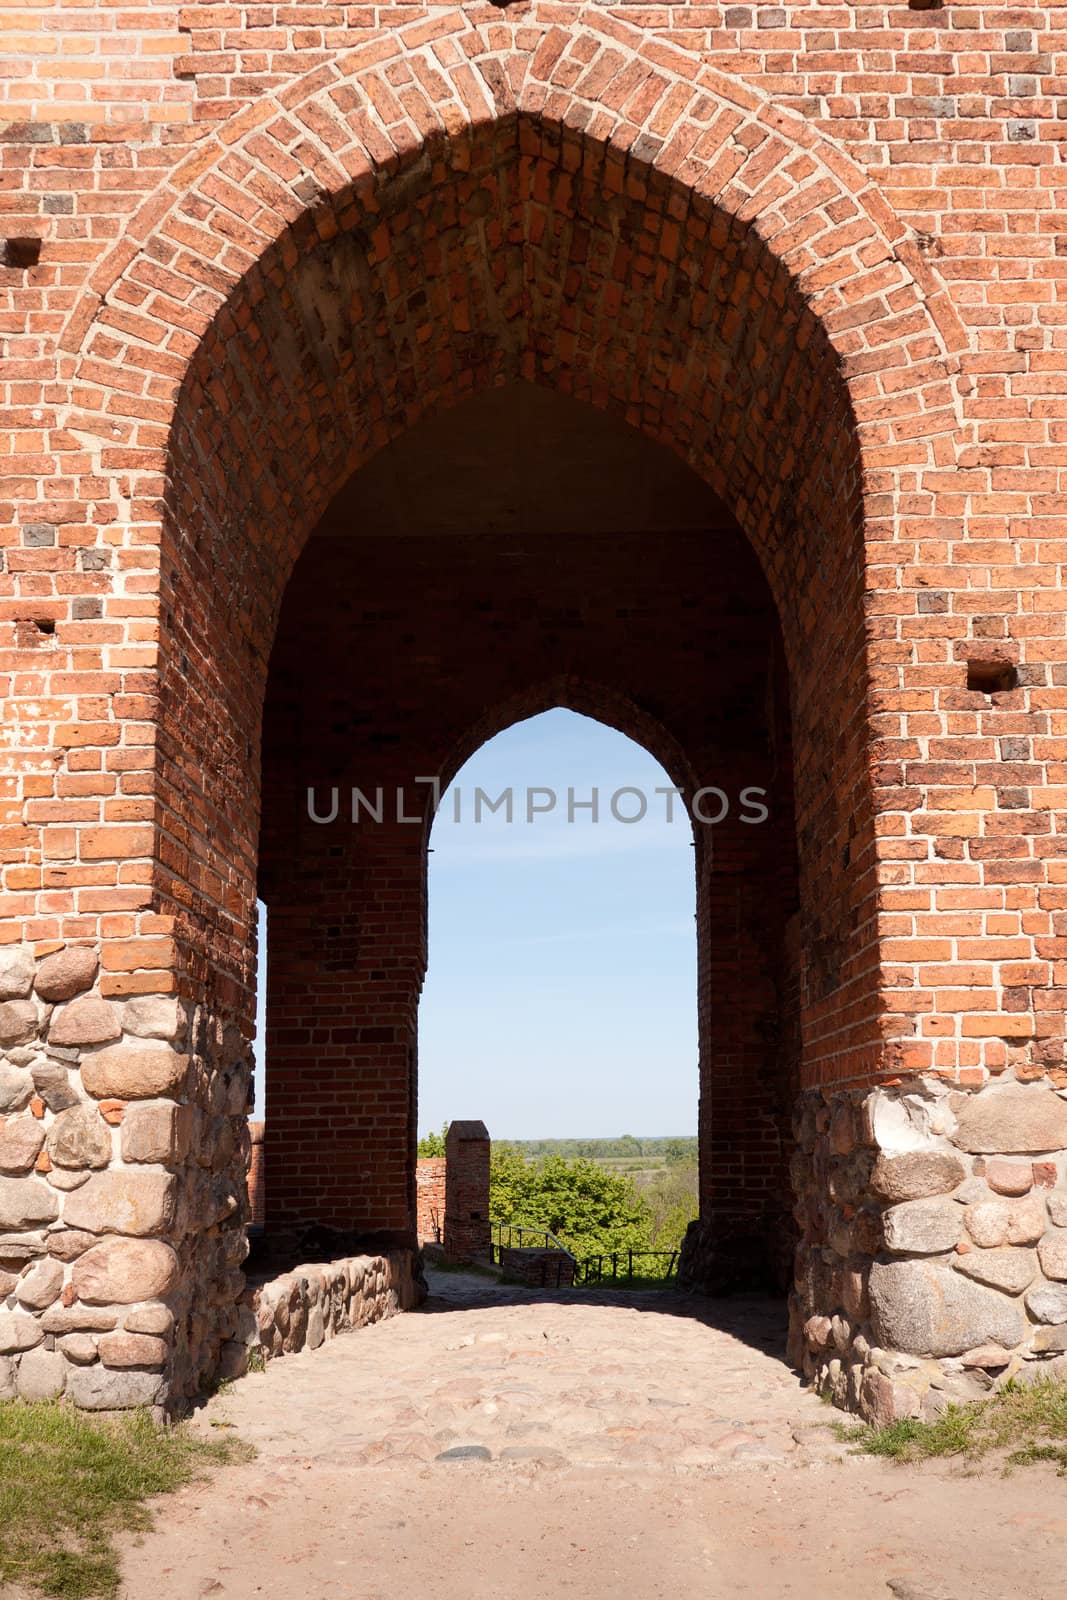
503, 1444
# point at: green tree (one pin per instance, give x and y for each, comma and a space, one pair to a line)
673, 1204
589, 1210
432, 1144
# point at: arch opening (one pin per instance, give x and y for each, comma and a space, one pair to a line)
420, 621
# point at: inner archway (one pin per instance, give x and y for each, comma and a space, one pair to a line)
423, 618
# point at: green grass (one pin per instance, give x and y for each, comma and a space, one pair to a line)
69, 1484
1023, 1423
638, 1281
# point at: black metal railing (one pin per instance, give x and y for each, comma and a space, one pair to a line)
517, 1236
610, 1266
606, 1266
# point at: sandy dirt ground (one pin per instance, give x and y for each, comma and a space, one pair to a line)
500, 1444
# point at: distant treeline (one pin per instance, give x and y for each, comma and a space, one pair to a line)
669, 1151
666, 1150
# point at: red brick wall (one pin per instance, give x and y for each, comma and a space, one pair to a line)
257, 1176
430, 1199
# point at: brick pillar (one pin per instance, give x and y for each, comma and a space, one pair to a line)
467, 1149
345, 964
749, 1049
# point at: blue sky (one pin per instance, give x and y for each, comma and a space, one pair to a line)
561, 993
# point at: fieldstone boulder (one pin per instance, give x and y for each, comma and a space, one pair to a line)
157, 1132
16, 1087
78, 1347
18, 1248
66, 973
21, 1139
79, 1138
924, 1309
17, 967
1011, 1118
1009, 1177
26, 1203
121, 1349
18, 1332
233, 1360
1057, 1209
916, 1174
987, 1358
83, 1022
121, 1271
67, 1244
77, 1319
134, 1072
882, 1401
41, 1285
151, 1319
153, 1016
123, 1202
65, 1178
997, 1222
98, 1388
52, 1082
42, 1375
18, 1022
1052, 1253
1010, 1270
1048, 1302
921, 1227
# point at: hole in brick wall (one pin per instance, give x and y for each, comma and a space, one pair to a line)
20, 253
44, 624
925, 5
991, 677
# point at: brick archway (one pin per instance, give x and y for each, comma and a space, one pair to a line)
449, 208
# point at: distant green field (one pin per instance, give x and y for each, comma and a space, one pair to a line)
623, 1154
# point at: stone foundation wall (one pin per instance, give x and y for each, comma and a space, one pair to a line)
123, 1150
539, 1269
312, 1303
933, 1257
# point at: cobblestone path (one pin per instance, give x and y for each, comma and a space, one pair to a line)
507, 1445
